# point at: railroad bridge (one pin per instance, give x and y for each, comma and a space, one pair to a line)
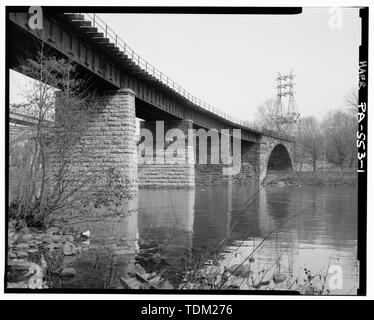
139, 90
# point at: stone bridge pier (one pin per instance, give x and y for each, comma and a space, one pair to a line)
185, 169
110, 144
106, 151
199, 162
159, 164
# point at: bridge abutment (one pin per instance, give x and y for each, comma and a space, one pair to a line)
275, 154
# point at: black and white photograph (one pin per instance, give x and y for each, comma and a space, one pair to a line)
186, 150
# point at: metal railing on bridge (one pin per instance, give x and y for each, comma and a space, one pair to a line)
98, 23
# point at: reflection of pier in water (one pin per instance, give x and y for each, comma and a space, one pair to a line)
110, 251
167, 216
225, 213
203, 217
197, 218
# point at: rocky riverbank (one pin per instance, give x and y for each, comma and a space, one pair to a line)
35, 255
36, 258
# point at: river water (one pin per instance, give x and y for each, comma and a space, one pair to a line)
303, 228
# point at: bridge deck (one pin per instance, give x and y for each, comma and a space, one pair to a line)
87, 40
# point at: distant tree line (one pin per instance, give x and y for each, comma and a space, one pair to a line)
332, 139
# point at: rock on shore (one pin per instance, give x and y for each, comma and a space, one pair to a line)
28, 251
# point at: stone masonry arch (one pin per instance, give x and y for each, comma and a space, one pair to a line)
276, 152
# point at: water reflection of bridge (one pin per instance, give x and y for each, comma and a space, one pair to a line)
198, 218
202, 218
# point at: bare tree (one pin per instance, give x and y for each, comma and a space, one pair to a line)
265, 114
351, 100
53, 177
309, 141
300, 153
340, 131
268, 117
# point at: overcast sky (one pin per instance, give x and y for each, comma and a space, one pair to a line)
231, 61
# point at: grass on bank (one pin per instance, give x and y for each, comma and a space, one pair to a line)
323, 178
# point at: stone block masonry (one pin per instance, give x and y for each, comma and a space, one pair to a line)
106, 152
111, 133
249, 171
164, 175
255, 158
110, 150
276, 149
210, 175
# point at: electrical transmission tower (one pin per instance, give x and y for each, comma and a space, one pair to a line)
286, 112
